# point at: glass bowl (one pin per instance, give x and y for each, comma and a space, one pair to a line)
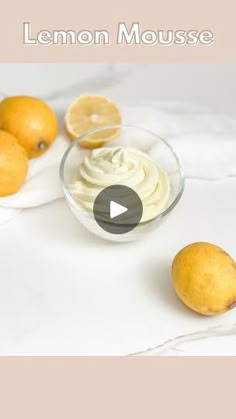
137, 138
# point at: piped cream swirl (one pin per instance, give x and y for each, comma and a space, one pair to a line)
107, 166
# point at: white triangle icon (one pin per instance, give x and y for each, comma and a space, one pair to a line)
116, 209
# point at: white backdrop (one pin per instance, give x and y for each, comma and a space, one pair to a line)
213, 85
59, 291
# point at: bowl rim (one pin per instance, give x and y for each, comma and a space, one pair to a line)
75, 142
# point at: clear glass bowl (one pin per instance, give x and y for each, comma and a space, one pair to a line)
129, 136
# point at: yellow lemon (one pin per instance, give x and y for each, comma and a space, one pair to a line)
90, 112
204, 277
13, 164
31, 121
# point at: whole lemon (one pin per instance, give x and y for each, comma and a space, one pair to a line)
13, 164
31, 121
204, 277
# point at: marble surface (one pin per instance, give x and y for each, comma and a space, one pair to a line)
204, 84
63, 291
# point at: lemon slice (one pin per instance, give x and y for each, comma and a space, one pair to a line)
90, 112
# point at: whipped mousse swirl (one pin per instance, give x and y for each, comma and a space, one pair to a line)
108, 166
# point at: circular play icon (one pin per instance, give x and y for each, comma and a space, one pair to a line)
118, 209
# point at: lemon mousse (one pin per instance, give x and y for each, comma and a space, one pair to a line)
107, 166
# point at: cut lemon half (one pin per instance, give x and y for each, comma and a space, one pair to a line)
90, 112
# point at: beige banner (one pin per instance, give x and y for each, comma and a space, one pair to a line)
115, 388
218, 17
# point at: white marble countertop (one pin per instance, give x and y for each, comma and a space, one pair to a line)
64, 291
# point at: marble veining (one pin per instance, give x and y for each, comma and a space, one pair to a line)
109, 77
173, 344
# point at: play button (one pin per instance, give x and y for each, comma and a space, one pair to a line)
118, 209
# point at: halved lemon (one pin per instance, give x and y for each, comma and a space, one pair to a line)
90, 112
